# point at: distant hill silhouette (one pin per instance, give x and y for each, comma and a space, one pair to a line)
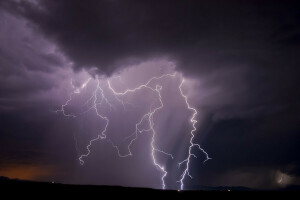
20, 187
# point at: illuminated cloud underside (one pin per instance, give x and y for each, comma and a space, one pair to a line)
101, 96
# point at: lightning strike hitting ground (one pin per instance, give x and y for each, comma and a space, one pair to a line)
190, 154
148, 117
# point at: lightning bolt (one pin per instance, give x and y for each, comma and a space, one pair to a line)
148, 117
192, 144
102, 135
76, 91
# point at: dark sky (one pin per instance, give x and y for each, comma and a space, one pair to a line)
243, 56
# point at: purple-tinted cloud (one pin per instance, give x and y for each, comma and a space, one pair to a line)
240, 61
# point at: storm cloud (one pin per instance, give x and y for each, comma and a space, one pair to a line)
242, 59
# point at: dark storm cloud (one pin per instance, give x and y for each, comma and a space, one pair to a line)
245, 55
248, 48
197, 34
104, 33
28, 62
31, 73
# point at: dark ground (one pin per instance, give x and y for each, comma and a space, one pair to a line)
43, 190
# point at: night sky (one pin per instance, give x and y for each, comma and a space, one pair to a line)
240, 61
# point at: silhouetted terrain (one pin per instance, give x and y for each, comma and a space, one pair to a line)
23, 187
